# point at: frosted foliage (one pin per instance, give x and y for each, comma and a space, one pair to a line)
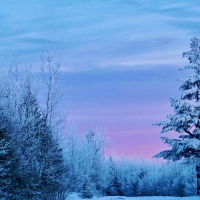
186, 117
30, 154
90, 174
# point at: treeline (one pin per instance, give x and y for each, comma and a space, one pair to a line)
90, 173
34, 166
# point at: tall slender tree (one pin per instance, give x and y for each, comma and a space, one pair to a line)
42, 157
6, 165
186, 117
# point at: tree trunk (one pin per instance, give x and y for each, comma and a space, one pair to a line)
198, 175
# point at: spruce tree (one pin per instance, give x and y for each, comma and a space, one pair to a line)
27, 140
41, 160
87, 189
50, 157
186, 117
6, 165
8, 159
114, 185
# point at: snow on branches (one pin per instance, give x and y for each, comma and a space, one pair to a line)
186, 117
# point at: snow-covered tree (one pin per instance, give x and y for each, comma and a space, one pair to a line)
87, 188
186, 117
96, 143
114, 184
7, 161
72, 162
40, 157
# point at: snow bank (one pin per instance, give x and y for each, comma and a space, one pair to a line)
75, 197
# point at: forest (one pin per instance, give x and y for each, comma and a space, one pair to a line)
39, 160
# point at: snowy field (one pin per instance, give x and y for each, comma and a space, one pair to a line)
75, 197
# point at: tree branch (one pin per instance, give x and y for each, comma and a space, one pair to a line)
188, 132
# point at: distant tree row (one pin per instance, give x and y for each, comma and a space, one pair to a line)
90, 173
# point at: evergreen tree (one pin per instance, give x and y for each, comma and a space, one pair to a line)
50, 158
186, 117
27, 140
8, 160
114, 185
41, 162
87, 189
6, 165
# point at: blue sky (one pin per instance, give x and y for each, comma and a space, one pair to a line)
120, 59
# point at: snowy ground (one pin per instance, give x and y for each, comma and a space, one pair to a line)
75, 197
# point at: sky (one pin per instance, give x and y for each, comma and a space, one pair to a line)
120, 60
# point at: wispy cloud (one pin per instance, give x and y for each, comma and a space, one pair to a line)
89, 32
